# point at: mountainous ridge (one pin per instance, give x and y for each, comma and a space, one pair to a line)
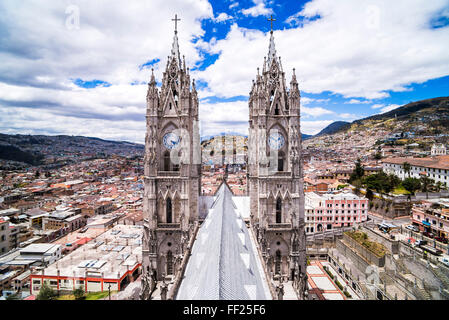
413, 122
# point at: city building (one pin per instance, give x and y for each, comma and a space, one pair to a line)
438, 150
110, 261
330, 211
432, 217
4, 236
435, 168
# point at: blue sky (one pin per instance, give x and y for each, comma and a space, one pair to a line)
82, 68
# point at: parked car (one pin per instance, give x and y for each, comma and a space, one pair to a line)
441, 239
412, 227
420, 242
445, 261
428, 234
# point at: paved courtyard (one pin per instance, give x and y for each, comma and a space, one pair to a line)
320, 284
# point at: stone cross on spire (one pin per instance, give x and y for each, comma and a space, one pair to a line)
176, 22
271, 20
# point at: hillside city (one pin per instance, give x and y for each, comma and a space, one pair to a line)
376, 210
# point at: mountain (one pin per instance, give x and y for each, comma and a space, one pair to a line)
41, 149
306, 136
13, 153
333, 127
423, 122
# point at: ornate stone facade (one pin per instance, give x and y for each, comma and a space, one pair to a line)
172, 171
275, 172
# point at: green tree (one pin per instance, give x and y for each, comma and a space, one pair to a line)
379, 182
358, 171
14, 296
411, 185
46, 293
394, 180
357, 184
369, 194
78, 293
407, 167
378, 156
426, 182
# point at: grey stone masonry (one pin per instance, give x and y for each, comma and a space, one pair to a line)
275, 171
172, 170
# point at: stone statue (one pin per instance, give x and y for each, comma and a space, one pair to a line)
164, 288
280, 290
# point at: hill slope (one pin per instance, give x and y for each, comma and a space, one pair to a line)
416, 120
333, 128
36, 149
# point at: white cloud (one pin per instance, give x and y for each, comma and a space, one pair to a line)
348, 116
224, 117
389, 108
222, 17
314, 127
259, 9
383, 108
40, 56
391, 47
315, 112
233, 5
357, 101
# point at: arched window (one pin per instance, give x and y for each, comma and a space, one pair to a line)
169, 263
176, 97
167, 161
176, 166
278, 210
276, 110
169, 211
272, 95
277, 263
281, 161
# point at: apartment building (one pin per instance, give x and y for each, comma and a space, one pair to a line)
330, 211
435, 168
431, 219
4, 236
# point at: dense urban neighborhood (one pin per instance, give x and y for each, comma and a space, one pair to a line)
79, 225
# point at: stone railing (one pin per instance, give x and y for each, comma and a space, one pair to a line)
168, 173
169, 225
279, 226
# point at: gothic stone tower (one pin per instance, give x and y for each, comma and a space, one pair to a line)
172, 170
275, 172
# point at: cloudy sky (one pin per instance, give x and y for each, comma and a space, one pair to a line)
81, 67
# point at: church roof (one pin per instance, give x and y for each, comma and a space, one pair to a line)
224, 264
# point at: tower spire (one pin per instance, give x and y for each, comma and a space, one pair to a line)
271, 50
175, 47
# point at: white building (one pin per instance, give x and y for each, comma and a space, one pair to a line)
4, 236
438, 150
112, 260
435, 168
330, 211
45, 252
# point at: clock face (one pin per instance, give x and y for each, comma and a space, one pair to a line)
171, 140
276, 141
